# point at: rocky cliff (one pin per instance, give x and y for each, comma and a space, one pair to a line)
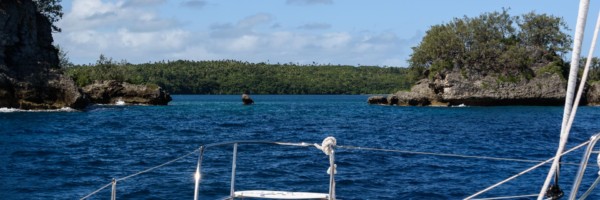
455, 87
29, 73
593, 94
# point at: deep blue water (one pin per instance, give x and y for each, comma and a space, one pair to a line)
66, 155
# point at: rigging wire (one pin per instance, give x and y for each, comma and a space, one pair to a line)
589, 191
567, 128
158, 166
564, 133
138, 173
96, 191
526, 171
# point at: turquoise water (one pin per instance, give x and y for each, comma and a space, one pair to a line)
67, 155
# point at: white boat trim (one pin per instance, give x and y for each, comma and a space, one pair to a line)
269, 194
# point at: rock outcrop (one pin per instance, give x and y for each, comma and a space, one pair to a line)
382, 100
29, 73
450, 88
246, 100
379, 100
112, 92
593, 94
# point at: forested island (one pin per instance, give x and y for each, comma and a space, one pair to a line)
494, 59
235, 77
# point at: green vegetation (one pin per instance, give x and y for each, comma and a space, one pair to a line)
52, 10
554, 68
493, 43
235, 77
594, 73
512, 48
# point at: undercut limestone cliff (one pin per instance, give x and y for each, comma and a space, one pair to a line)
454, 88
113, 92
29, 74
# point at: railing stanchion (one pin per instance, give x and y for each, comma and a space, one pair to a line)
113, 195
584, 161
233, 165
332, 175
198, 175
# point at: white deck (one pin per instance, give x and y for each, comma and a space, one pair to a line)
267, 194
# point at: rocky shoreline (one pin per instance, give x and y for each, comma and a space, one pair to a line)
115, 92
30, 77
453, 88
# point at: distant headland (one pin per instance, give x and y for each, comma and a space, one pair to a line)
494, 59
30, 73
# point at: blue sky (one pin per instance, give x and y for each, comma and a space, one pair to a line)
353, 32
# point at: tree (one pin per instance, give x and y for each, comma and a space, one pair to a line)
63, 58
491, 43
594, 73
545, 33
52, 10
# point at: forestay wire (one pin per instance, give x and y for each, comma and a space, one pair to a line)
568, 113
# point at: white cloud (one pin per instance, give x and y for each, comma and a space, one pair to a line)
244, 43
335, 40
121, 29
254, 20
91, 9
141, 34
99, 15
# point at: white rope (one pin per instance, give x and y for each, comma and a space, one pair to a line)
564, 134
509, 197
327, 145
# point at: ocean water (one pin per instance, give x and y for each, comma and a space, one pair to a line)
67, 155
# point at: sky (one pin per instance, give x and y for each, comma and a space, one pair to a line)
347, 32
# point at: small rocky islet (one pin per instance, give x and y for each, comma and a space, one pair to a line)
453, 88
